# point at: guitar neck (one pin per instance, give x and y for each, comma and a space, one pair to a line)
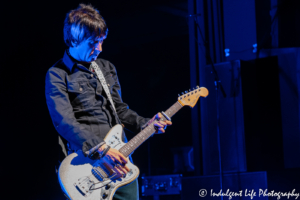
142, 136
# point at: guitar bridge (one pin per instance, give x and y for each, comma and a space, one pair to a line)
85, 186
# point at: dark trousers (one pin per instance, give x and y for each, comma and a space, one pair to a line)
128, 192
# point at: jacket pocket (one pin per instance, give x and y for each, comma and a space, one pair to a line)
74, 87
80, 94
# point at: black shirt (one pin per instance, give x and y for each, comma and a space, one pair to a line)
79, 107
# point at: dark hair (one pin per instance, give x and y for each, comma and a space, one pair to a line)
82, 23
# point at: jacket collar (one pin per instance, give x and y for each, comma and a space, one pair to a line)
70, 63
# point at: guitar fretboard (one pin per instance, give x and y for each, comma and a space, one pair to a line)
142, 136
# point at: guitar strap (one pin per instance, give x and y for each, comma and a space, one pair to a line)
103, 83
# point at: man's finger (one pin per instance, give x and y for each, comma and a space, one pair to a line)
117, 155
123, 158
158, 125
162, 130
120, 160
126, 168
158, 116
162, 123
120, 168
119, 172
168, 122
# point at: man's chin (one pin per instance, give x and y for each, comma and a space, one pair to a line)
91, 59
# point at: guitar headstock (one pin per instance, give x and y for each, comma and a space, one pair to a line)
191, 98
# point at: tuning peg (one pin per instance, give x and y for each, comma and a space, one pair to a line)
193, 88
186, 92
197, 86
182, 93
189, 89
179, 95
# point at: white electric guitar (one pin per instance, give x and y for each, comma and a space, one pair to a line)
82, 178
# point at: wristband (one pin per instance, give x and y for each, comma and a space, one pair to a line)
91, 153
105, 151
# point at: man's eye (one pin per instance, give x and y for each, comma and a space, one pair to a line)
96, 42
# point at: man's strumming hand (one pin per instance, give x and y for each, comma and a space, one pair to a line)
114, 159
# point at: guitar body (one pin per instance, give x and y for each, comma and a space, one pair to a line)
82, 178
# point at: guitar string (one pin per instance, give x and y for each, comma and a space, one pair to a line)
177, 106
137, 141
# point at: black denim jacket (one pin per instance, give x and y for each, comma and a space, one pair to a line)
78, 105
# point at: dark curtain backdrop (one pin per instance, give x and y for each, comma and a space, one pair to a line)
148, 44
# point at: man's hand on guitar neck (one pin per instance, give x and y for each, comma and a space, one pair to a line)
114, 159
160, 126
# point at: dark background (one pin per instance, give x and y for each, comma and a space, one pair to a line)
148, 42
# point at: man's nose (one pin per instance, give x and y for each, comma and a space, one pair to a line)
99, 46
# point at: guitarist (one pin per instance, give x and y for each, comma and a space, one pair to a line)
78, 104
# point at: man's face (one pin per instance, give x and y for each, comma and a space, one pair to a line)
89, 49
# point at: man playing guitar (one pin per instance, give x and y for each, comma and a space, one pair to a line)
79, 106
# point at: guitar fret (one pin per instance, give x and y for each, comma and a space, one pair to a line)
135, 142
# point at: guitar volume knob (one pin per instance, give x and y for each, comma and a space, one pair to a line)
104, 195
107, 186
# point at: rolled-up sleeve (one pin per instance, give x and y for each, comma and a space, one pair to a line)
61, 112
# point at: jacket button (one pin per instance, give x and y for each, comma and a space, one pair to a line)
80, 89
108, 84
92, 75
